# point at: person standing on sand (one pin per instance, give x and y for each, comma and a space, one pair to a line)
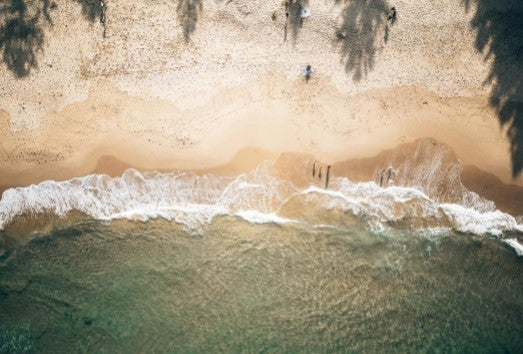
102, 11
391, 15
314, 169
388, 171
389, 175
319, 174
327, 177
304, 13
308, 73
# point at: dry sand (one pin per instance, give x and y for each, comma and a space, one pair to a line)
155, 94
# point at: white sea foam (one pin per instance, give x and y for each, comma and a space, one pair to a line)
434, 169
381, 206
256, 217
185, 198
518, 247
472, 221
257, 197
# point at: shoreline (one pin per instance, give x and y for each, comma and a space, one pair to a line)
272, 114
154, 96
294, 175
507, 197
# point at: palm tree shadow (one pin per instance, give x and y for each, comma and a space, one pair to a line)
22, 25
390, 22
357, 36
21, 36
499, 36
91, 9
187, 13
293, 9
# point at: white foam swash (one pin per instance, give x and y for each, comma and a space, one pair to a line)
257, 197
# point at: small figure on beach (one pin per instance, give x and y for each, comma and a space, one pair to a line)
327, 177
319, 174
288, 4
314, 169
304, 13
308, 73
388, 172
102, 11
391, 15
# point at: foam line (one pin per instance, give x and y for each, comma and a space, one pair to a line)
518, 247
256, 197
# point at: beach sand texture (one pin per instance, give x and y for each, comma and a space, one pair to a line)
188, 84
170, 181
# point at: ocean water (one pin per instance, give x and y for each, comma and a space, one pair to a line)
177, 262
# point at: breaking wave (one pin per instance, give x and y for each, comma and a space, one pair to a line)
261, 196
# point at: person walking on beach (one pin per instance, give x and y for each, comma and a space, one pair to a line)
308, 73
387, 171
319, 174
102, 12
314, 169
327, 177
389, 175
391, 15
304, 13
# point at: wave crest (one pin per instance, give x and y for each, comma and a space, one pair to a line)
194, 201
424, 193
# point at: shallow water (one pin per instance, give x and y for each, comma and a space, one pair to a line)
266, 261
134, 286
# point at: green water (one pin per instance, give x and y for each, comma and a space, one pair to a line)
151, 287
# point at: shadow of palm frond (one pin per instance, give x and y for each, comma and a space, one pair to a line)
21, 34
187, 13
22, 25
294, 8
499, 36
357, 36
91, 9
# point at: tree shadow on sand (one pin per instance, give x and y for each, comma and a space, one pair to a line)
22, 24
187, 13
91, 9
21, 34
499, 36
359, 33
293, 10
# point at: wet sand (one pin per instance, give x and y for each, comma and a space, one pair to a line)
297, 167
313, 118
160, 93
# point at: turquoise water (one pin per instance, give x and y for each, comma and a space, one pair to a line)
130, 286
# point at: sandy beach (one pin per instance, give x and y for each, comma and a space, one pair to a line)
190, 85
243, 176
